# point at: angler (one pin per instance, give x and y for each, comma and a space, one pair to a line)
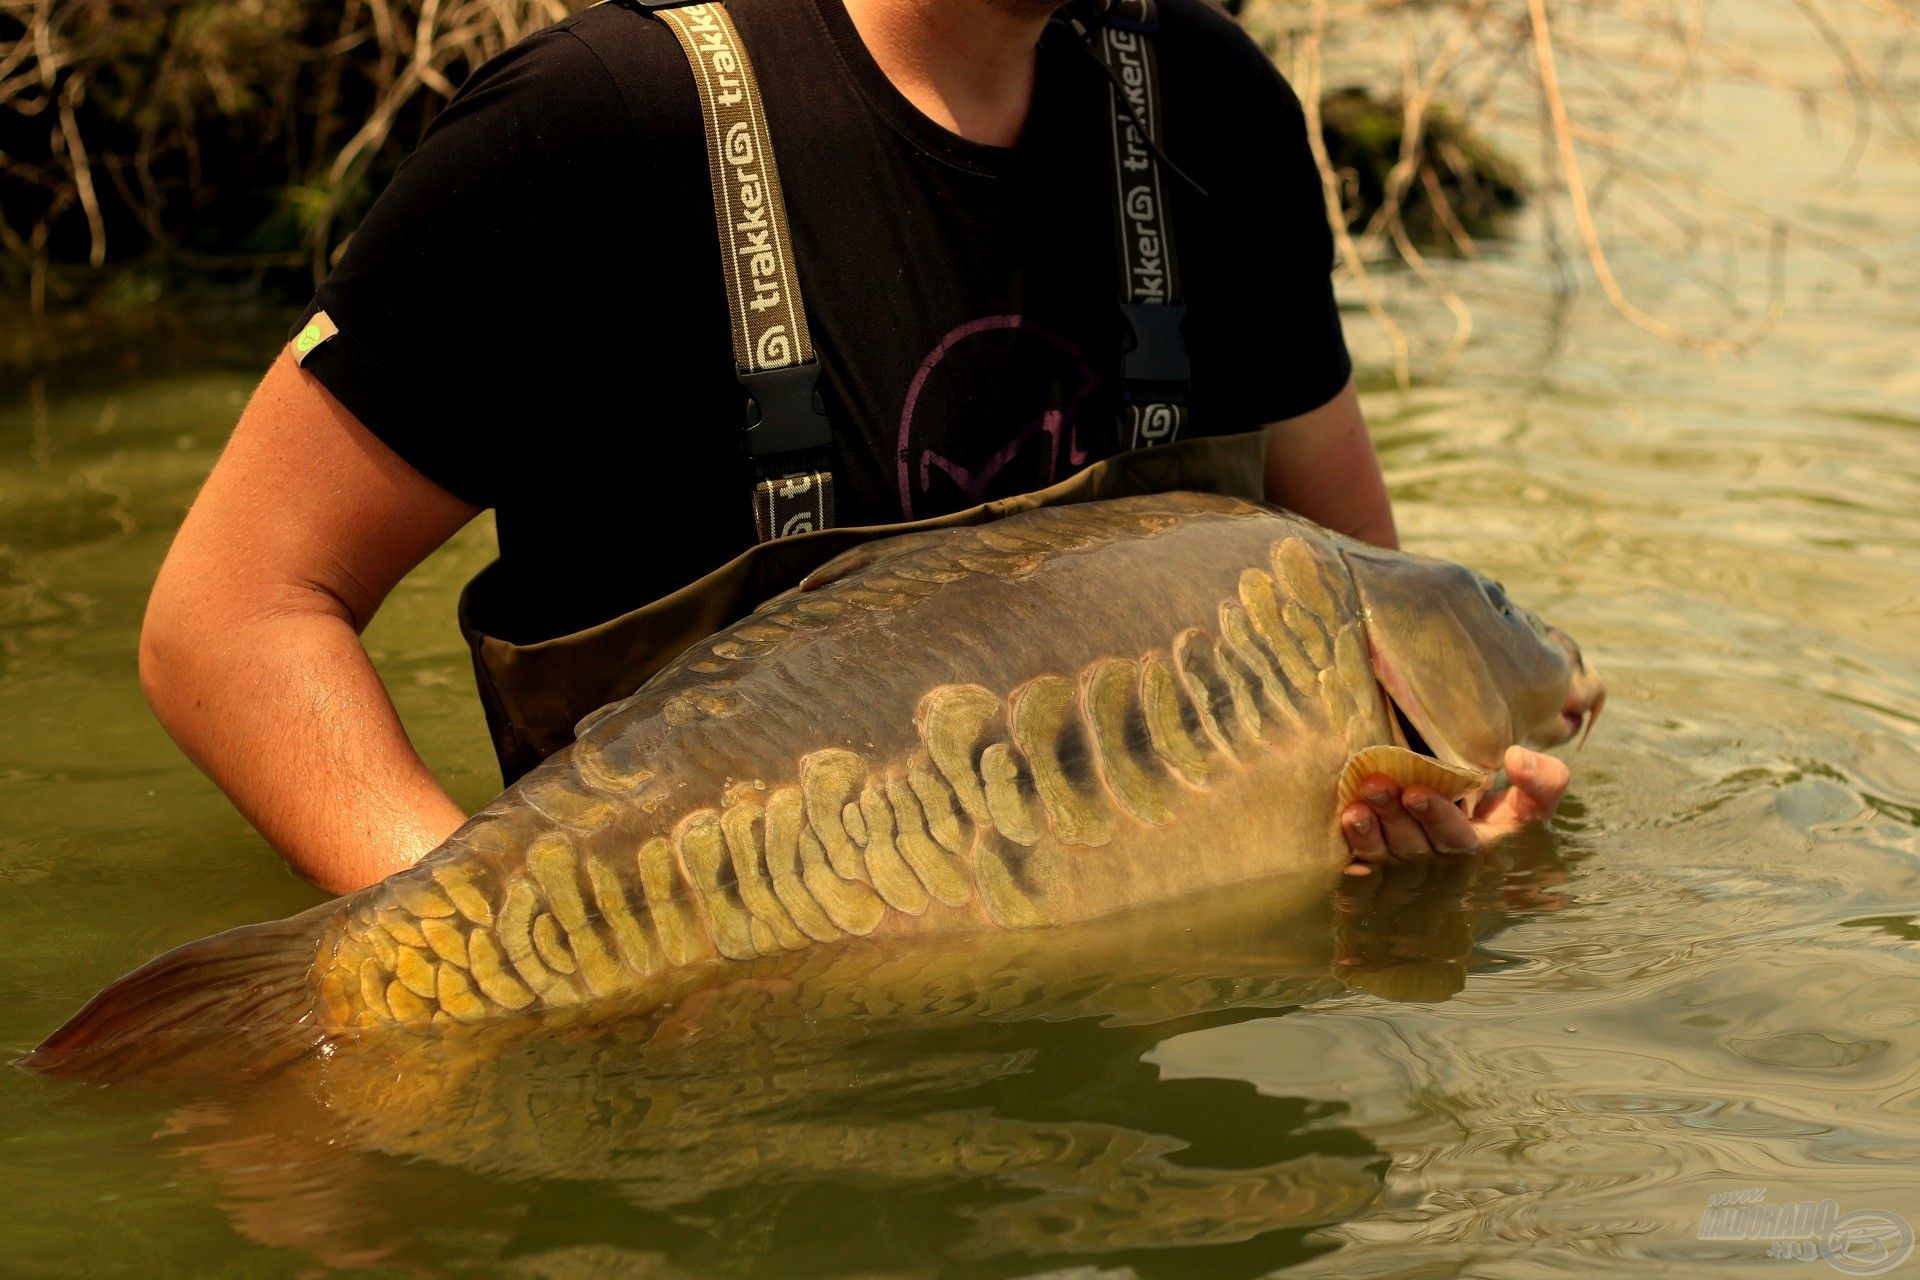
572, 307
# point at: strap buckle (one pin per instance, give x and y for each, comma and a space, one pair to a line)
1156, 356
786, 418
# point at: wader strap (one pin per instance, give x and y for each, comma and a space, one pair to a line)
788, 437
1156, 370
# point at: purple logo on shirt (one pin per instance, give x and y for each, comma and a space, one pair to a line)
1054, 429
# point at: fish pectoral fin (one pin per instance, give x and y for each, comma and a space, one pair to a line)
1455, 782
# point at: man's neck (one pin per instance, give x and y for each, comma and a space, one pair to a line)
968, 65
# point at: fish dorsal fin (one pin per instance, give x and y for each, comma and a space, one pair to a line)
1406, 767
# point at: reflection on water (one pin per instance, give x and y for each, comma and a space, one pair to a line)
986, 1104
1703, 979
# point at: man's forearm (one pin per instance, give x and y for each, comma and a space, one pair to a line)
1322, 464
284, 711
1376, 527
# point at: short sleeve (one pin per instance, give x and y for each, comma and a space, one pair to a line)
1321, 363
1277, 345
452, 299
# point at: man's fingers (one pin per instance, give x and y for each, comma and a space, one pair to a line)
1364, 841
1392, 826
1405, 837
1539, 781
1447, 829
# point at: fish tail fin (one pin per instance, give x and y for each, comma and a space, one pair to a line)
250, 983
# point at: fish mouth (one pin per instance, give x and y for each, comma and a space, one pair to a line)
1575, 720
1586, 698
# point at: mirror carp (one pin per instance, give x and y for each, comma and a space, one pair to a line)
1035, 722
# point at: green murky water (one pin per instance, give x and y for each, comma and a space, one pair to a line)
1706, 978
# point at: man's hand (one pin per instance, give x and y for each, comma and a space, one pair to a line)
1407, 826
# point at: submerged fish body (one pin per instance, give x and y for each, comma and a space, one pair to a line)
1035, 722
847, 1066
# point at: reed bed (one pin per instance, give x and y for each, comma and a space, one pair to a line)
233, 135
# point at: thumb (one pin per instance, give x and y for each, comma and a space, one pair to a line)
1539, 781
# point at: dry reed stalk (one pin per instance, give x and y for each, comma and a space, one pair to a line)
1611, 88
173, 105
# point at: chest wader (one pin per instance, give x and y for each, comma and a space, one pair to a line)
534, 694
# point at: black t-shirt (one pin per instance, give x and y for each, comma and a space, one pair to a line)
533, 313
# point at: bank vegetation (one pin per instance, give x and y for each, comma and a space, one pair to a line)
147, 141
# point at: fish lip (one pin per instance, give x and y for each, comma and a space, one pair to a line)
1586, 698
